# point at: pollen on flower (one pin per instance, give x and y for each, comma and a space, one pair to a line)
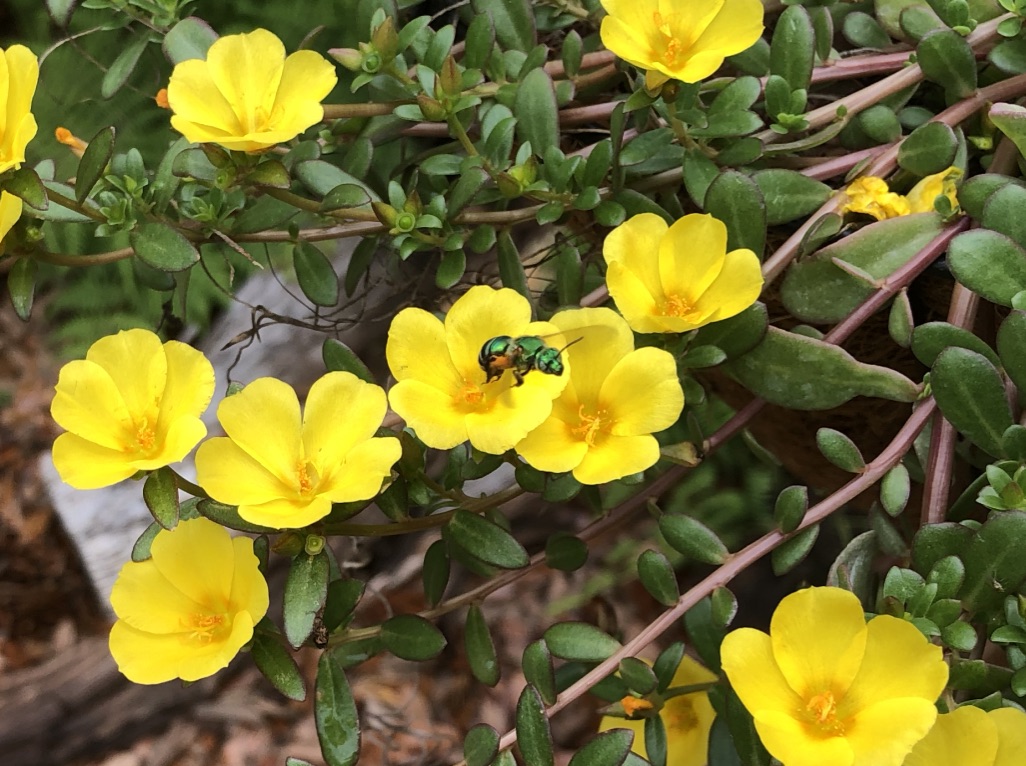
823, 708
306, 477
677, 306
202, 628
145, 438
674, 48
592, 425
471, 394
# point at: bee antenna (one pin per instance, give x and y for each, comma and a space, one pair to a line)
568, 345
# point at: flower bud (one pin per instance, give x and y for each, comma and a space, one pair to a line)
385, 213
431, 108
385, 40
350, 58
405, 222
314, 544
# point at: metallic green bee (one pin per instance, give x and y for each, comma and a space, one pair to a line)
521, 354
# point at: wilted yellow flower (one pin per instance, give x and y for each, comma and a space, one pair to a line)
19, 71
441, 391
872, 196
824, 687
10, 212
246, 95
687, 719
601, 425
680, 277
188, 610
133, 404
70, 140
679, 39
284, 469
968, 736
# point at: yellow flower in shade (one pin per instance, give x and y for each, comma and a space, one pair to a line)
968, 736
246, 95
440, 388
687, 719
680, 277
285, 469
10, 212
19, 71
188, 610
824, 687
133, 404
601, 426
872, 196
679, 39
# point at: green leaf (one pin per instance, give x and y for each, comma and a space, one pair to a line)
657, 575
827, 377
141, 548
122, 67
971, 394
338, 726
317, 279
929, 339
637, 675
790, 195
533, 733
94, 162
305, 592
994, 564
537, 665
337, 356
341, 601
1011, 340
160, 493
793, 49
228, 516
463, 191
895, 490
928, 149
61, 10
699, 173
724, 607
737, 335
722, 751
480, 649
21, 284
974, 192
565, 552
163, 248
450, 269
486, 540
481, 745
610, 748
435, 572
345, 196
948, 574
580, 641
512, 20
840, 450
25, 183
277, 665
188, 39
536, 110
946, 59
790, 508
1001, 213
692, 538
864, 31
900, 322
322, 178
411, 637
666, 664
794, 550
655, 740
736, 200
511, 270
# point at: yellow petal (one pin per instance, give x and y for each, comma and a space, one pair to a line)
480, 314
182, 435
553, 447
642, 393
432, 414
306, 79
627, 41
1011, 728
613, 457
189, 384
736, 27
287, 512
819, 636
748, 662
148, 601
600, 338
198, 106
635, 244
633, 299
899, 662
922, 196
198, 559
249, 588
136, 363
416, 350
736, 287
789, 741
691, 255
341, 411
247, 68
365, 467
515, 413
83, 464
263, 419
967, 736
886, 732
87, 403
230, 475
19, 75
10, 212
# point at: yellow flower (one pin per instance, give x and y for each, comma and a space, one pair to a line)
10, 212
968, 736
687, 719
131, 405
679, 39
678, 278
19, 71
441, 391
871, 195
826, 688
246, 95
188, 610
601, 426
284, 469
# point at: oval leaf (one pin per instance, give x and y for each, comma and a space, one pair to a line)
971, 394
692, 538
306, 590
533, 733
486, 540
580, 641
278, 667
94, 162
338, 726
164, 248
536, 111
411, 637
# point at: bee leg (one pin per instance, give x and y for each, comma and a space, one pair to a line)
519, 377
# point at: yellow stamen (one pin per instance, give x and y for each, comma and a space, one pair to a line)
471, 394
823, 708
306, 477
203, 627
677, 306
145, 438
675, 49
592, 425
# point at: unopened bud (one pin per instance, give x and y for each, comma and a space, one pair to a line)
161, 99
431, 108
509, 186
385, 40
385, 213
314, 545
350, 58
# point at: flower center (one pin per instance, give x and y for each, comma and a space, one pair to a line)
204, 627
470, 395
145, 438
679, 714
592, 425
677, 306
823, 710
674, 49
307, 477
